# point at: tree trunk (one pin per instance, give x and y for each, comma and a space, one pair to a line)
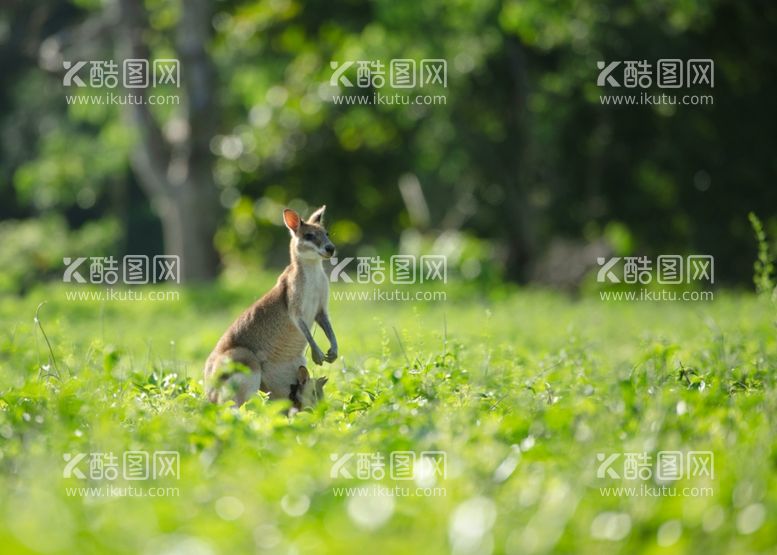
178, 177
519, 213
189, 221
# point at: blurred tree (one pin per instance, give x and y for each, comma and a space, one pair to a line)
520, 153
174, 169
177, 174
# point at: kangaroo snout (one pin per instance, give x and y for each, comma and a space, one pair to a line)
330, 249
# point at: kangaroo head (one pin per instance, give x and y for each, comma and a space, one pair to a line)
307, 392
309, 239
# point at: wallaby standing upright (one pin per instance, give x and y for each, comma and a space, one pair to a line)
270, 336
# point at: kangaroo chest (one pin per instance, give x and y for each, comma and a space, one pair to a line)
310, 294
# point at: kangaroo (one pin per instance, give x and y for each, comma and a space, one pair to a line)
303, 394
269, 338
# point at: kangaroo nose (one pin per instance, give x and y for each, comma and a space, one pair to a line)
330, 249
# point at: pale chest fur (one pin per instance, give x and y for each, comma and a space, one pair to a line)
310, 292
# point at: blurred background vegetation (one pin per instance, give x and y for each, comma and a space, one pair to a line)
520, 165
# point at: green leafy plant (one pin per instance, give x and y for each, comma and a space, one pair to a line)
763, 275
520, 392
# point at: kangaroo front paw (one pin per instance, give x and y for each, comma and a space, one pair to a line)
318, 355
331, 355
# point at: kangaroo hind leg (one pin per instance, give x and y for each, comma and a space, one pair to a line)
226, 382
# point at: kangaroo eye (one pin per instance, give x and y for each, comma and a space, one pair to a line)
309, 237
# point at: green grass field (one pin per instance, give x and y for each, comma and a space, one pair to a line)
520, 390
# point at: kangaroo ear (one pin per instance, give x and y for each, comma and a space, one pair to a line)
322, 381
291, 219
302, 375
317, 217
